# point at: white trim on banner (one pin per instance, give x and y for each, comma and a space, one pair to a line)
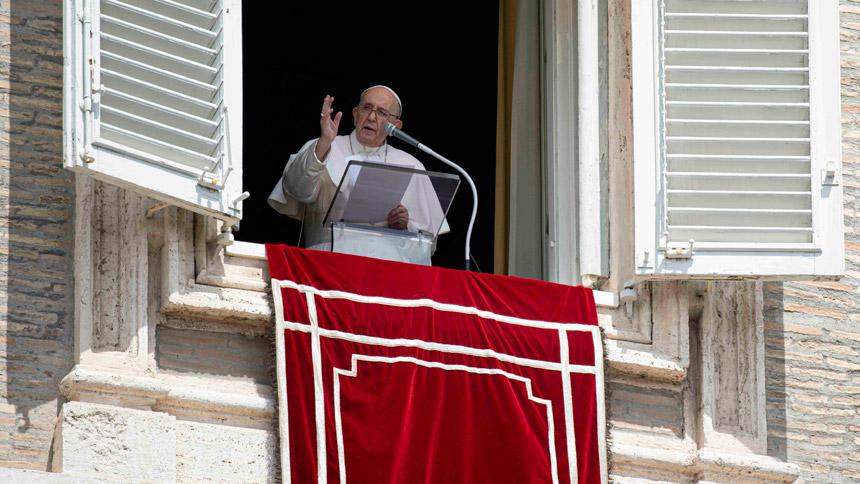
429, 303
319, 393
568, 406
283, 418
353, 372
430, 346
599, 392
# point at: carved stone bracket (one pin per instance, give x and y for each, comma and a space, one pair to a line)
654, 343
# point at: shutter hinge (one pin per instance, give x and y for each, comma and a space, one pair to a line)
210, 180
830, 175
645, 260
680, 250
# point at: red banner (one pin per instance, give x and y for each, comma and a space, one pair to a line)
396, 373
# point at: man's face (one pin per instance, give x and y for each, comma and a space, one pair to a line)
368, 127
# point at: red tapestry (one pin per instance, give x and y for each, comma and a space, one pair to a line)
396, 373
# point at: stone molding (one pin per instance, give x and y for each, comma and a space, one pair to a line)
41, 477
200, 300
150, 393
705, 465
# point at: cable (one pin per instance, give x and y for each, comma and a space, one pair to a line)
476, 263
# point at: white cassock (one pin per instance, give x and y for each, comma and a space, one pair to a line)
312, 182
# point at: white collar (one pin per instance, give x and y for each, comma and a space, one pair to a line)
358, 148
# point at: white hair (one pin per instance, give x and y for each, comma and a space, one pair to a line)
399, 104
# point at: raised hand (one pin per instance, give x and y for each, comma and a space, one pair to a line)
398, 217
328, 127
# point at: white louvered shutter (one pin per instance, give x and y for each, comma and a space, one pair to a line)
737, 138
153, 94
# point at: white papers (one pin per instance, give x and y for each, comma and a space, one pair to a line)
375, 193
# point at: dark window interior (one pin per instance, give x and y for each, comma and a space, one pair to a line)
442, 63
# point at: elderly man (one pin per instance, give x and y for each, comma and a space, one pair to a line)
310, 178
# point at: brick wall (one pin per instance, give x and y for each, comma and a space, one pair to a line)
812, 329
36, 200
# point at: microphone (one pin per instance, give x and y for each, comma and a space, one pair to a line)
393, 131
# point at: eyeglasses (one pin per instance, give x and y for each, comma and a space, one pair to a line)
381, 113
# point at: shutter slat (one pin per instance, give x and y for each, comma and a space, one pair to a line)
740, 87
726, 217
736, 33
733, 193
161, 23
735, 69
167, 115
153, 129
146, 146
692, 165
736, 140
158, 94
799, 182
157, 76
204, 5
699, 50
785, 200
735, 16
739, 228
738, 104
715, 157
158, 40
739, 211
175, 10
165, 60
740, 234
737, 122
777, 176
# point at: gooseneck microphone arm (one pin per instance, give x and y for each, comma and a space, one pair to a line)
392, 130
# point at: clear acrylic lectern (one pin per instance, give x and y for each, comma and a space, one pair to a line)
357, 217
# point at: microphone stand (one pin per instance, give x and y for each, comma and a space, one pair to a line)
392, 130
468, 264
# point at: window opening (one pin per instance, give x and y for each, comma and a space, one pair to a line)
443, 67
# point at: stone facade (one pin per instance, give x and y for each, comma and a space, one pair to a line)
133, 349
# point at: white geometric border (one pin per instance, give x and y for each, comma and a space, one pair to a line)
564, 367
353, 372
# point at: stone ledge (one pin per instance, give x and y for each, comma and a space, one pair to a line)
218, 303
140, 391
644, 364
706, 464
16, 476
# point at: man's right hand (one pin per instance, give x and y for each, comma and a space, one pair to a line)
328, 128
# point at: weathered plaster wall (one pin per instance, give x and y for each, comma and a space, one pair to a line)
812, 330
36, 201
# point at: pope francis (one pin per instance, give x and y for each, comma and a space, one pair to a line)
310, 177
